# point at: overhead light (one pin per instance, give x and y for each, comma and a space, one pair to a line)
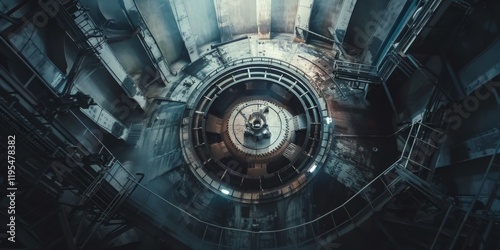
225, 191
313, 167
328, 120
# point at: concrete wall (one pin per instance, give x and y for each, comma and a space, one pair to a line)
129, 51
203, 20
324, 14
361, 19
162, 24
243, 16
283, 15
384, 30
370, 25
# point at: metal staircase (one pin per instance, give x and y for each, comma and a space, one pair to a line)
56, 160
397, 57
422, 149
397, 60
355, 72
89, 37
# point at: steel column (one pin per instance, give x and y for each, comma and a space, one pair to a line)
302, 20
263, 19
182, 19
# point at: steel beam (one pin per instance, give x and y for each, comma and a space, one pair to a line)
422, 19
106, 121
400, 23
70, 241
182, 19
391, 100
453, 75
70, 78
263, 19
436, 197
217, 45
482, 69
302, 20
94, 39
22, 45
223, 20
159, 61
481, 145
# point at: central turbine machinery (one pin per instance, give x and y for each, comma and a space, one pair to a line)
256, 126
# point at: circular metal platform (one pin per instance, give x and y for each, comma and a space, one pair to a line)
255, 131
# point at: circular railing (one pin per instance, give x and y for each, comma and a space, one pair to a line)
314, 144
200, 234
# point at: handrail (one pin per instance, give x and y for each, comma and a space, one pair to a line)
326, 73
101, 143
358, 193
360, 214
254, 59
344, 205
244, 68
361, 193
471, 208
363, 211
393, 166
95, 40
29, 64
362, 68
